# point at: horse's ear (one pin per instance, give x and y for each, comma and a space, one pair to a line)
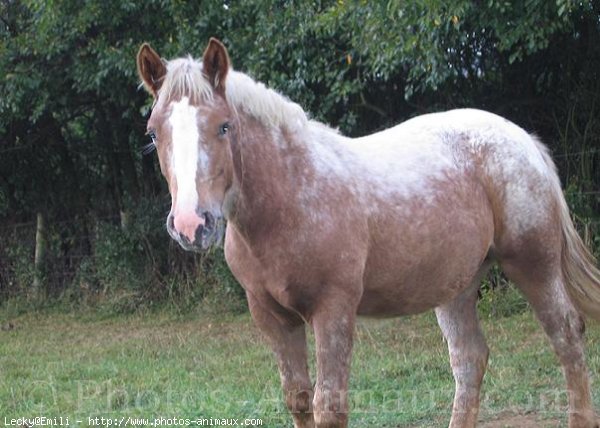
151, 68
215, 64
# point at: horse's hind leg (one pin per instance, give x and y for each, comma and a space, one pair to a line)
468, 353
287, 338
540, 279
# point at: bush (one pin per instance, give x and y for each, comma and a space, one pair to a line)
19, 270
139, 266
102, 264
499, 298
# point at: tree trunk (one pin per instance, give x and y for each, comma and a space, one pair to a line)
40, 256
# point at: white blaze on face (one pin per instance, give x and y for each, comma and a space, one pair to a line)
184, 156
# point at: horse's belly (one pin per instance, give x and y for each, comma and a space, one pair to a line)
418, 264
415, 291
403, 297
380, 305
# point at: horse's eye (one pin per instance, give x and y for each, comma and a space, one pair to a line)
224, 128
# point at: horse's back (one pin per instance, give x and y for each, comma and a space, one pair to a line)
465, 147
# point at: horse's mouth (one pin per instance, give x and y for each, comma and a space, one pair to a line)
212, 235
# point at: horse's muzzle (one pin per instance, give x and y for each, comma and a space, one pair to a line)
196, 232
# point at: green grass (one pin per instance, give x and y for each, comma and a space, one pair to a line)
157, 364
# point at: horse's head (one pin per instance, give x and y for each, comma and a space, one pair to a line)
190, 127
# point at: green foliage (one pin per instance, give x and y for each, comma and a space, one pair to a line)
137, 267
118, 260
498, 297
21, 271
501, 302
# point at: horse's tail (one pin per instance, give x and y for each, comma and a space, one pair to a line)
580, 274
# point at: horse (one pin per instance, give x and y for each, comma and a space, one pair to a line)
319, 228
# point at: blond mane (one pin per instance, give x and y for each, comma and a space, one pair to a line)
185, 78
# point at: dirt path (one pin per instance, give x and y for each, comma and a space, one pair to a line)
520, 421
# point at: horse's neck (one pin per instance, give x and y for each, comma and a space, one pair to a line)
273, 166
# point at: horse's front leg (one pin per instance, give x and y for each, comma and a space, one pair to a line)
287, 338
334, 329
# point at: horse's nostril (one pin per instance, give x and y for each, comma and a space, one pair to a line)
184, 238
171, 222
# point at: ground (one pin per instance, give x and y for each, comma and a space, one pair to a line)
160, 365
521, 421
